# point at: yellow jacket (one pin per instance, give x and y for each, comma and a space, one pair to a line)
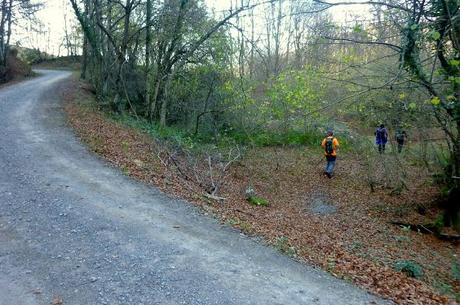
335, 145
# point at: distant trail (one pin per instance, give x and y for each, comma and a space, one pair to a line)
74, 227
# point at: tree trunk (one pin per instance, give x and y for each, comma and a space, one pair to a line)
84, 65
276, 64
148, 42
452, 215
4, 17
155, 98
164, 103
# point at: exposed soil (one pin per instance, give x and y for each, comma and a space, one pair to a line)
338, 224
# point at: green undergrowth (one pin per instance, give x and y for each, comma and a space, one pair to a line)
258, 201
166, 133
188, 140
292, 137
410, 268
225, 139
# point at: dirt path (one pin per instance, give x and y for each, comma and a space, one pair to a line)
73, 227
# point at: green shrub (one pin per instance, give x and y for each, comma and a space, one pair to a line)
254, 200
438, 223
282, 245
446, 289
272, 138
410, 268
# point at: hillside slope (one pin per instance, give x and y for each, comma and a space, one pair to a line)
338, 224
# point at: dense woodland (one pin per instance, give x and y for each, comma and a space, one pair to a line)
280, 71
239, 96
273, 72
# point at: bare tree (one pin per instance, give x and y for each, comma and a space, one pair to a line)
10, 10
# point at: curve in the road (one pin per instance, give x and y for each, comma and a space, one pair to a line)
74, 227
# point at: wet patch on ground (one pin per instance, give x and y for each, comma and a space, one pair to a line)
320, 204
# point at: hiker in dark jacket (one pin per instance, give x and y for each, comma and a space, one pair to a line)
330, 145
381, 138
401, 137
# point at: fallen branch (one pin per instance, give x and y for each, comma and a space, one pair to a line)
426, 229
213, 197
172, 160
429, 229
447, 237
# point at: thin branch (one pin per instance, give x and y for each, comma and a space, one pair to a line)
380, 3
392, 46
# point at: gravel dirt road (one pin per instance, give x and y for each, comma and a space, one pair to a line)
74, 228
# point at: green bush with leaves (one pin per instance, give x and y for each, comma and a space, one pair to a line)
296, 97
258, 201
410, 268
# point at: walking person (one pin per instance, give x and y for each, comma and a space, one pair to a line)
401, 137
381, 138
330, 145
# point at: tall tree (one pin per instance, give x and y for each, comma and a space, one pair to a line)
11, 10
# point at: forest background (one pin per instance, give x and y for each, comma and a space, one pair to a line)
240, 98
278, 72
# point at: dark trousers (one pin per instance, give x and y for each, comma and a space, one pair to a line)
381, 148
330, 165
400, 145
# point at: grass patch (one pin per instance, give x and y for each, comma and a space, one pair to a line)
410, 268
258, 139
154, 130
446, 289
258, 201
265, 138
282, 245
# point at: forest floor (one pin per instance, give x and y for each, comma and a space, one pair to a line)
337, 224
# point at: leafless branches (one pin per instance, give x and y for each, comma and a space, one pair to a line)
209, 170
378, 3
218, 169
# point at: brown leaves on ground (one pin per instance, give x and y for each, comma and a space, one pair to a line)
356, 243
57, 300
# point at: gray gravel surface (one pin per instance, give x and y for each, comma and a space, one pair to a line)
73, 226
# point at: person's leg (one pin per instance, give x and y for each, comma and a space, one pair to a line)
400, 146
331, 167
383, 147
380, 148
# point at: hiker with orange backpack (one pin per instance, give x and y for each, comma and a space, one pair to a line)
330, 145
